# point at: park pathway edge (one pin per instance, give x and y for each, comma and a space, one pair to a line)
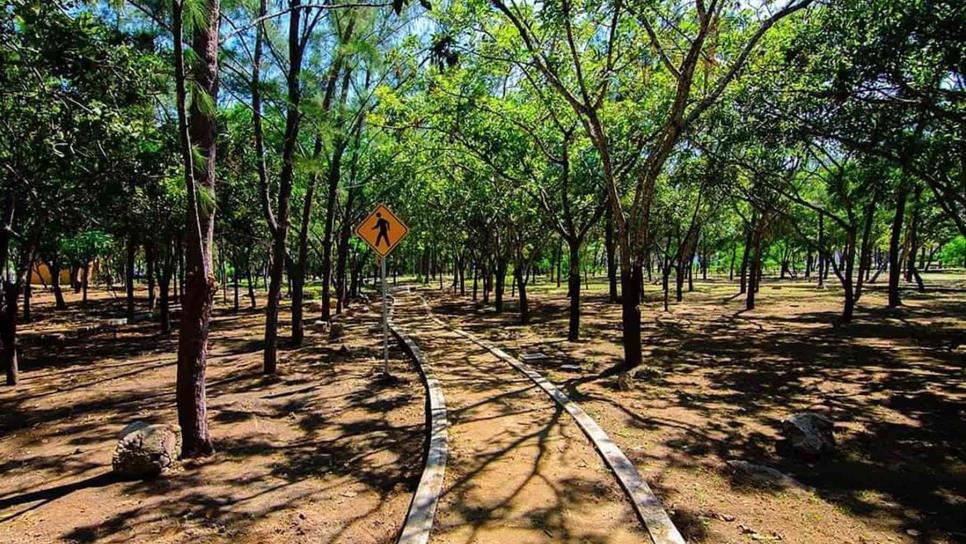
648, 507
422, 510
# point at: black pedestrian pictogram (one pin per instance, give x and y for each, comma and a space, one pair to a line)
381, 230
383, 227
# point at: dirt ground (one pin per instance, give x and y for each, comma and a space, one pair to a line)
520, 471
318, 454
718, 381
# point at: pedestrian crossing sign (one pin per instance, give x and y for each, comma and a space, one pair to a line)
382, 230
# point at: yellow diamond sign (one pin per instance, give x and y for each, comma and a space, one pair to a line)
382, 230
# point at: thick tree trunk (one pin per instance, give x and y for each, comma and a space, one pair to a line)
631, 276
573, 287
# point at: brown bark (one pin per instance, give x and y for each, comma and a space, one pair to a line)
895, 271
573, 287
199, 282
293, 118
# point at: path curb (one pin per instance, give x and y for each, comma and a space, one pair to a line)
422, 510
649, 509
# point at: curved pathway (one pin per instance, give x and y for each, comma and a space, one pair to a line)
519, 470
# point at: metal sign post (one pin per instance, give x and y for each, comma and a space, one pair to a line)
385, 318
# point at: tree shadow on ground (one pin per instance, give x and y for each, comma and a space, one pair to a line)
892, 379
282, 444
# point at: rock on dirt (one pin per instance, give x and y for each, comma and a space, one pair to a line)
145, 451
763, 476
337, 331
808, 434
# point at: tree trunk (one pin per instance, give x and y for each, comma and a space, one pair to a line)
293, 118
524, 303
236, 278
84, 283
822, 260
911, 270
745, 257
251, 285
611, 247
631, 277
475, 280
573, 287
501, 266
55, 283
129, 277
754, 276
196, 140
150, 258
164, 286
8, 331
895, 271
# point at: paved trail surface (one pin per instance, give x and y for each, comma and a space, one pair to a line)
520, 470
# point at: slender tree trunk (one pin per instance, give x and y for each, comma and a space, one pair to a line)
293, 118
164, 286
84, 282
251, 285
8, 331
475, 280
745, 257
559, 259
200, 283
895, 271
755, 270
524, 302
573, 287
822, 259
501, 266
611, 247
150, 258
235, 280
731, 267
55, 283
129, 277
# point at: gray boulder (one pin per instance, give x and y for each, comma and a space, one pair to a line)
145, 451
808, 434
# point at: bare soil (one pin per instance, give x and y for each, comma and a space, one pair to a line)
718, 381
320, 453
520, 471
